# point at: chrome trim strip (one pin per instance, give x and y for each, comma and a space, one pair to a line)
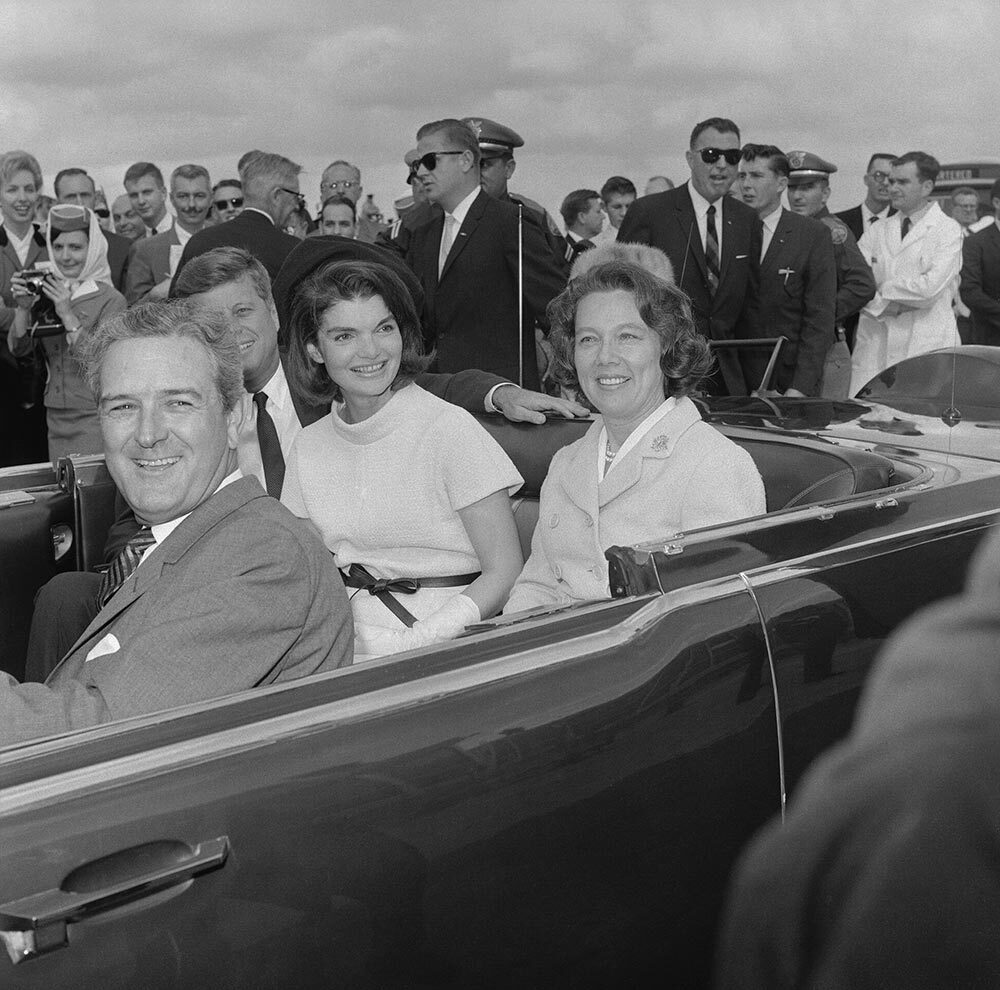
774, 691
101, 776
769, 574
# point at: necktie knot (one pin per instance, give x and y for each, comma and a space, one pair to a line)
906, 226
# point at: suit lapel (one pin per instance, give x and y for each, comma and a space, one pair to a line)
465, 232
190, 531
781, 234
657, 444
583, 465
687, 222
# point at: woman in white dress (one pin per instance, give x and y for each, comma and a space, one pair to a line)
409, 492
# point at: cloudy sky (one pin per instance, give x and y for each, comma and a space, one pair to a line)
594, 88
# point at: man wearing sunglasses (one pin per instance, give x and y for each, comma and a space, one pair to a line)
473, 259
74, 185
270, 196
712, 240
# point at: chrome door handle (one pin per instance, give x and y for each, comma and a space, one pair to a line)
34, 925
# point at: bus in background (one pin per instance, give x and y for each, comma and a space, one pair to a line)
978, 175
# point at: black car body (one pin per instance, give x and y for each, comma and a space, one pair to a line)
553, 801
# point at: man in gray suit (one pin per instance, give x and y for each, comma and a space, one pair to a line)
222, 589
153, 260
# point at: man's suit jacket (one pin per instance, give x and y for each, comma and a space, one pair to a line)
118, 252
149, 264
667, 221
471, 312
797, 297
981, 283
250, 230
855, 220
240, 594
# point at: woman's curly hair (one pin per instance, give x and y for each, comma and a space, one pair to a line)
685, 358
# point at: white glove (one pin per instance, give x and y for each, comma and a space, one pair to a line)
446, 623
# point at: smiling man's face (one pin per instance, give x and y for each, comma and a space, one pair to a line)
168, 440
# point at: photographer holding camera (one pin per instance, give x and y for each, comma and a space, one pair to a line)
59, 308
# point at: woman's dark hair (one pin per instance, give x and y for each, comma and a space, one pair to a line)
685, 358
341, 281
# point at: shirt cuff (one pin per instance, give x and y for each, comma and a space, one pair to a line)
489, 396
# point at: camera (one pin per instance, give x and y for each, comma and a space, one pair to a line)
34, 278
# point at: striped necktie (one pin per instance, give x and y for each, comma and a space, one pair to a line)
712, 249
124, 565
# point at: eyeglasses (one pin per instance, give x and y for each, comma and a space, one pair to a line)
339, 184
880, 176
430, 160
236, 202
711, 155
102, 212
299, 198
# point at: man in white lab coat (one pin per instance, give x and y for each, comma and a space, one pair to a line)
915, 255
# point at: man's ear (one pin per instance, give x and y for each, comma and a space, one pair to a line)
509, 167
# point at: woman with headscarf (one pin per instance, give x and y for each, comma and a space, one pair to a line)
78, 286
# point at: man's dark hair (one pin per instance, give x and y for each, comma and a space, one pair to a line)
964, 191
777, 161
721, 124
618, 185
928, 166
227, 182
575, 203
878, 154
140, 170
456, 133
66, 173
220, 266
337, 200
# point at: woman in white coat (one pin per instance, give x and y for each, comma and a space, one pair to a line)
648, 466
916, 275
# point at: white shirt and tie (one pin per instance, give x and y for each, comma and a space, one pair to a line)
452, 225
701, 206
868, 217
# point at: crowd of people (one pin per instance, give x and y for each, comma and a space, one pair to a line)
246, 368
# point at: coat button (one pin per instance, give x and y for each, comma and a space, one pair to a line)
554, 521
557, 570
590, 522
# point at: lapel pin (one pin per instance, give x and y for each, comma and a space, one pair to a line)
661, 442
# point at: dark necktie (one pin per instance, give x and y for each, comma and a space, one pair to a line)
906, 227
270, 447
124, 565
712, 250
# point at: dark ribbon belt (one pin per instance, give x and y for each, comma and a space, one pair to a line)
384, 589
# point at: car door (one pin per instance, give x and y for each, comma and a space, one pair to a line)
557, 803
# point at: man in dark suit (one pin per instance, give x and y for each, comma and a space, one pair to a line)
270, 196
74, 185
981, 277
223, 589
797, 295
472, 260
876, 206
583, 213
152, 260
712, 240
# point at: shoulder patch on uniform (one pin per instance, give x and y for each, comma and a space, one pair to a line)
395, 229
838, 230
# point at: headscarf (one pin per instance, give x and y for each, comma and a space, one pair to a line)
70, 216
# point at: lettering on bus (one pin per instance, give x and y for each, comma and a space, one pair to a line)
958, 174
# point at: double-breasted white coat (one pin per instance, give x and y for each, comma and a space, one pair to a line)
920, 274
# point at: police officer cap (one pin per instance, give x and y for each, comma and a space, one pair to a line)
807, 167
494, 138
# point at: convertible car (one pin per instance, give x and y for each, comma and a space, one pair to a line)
554, 799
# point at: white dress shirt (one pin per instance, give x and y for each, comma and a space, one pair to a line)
163, 226
770, 223
458, 218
